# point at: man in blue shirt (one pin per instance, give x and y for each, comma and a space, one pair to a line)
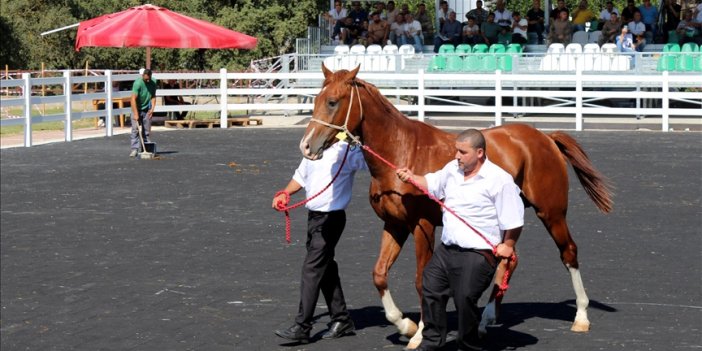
450, 32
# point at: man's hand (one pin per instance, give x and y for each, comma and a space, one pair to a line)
280, 201
404, 174
504, 251
150, 114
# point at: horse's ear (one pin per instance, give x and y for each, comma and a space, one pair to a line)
352, 74
326, 71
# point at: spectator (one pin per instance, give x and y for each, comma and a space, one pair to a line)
490, 30
404, 9
379, 7
581, 16
378, 30
391, 12
671, 11
638, 30
649, 16
350, 31
503, 17
559, 7
471, 32
561, 29
425, 20
519, 28
325, 224
689, 29
143, 105
174, 100
443, 13
358, 14
334, 15
535, 19
397, 30
629, 11
606, 13
413, 33
610, 29
450, 32
625, 41
478, 13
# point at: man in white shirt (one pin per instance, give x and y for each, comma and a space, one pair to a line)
413, 32
638, 30
519, 28
463, 265
325, 223
607, 12
442, 13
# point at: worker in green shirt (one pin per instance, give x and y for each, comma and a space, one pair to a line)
143, 104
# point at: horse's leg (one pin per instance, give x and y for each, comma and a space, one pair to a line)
558, 228
492, 309
423, 250
390, 246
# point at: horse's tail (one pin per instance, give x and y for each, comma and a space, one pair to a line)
596, 185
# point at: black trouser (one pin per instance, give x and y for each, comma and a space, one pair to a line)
319, 270
464, 275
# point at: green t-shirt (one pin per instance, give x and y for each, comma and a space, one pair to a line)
144, 92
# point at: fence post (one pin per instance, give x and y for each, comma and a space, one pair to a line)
67, 107
109, 118
420, 95
27, 109
498, 98
223, 98
578, 100
666, 102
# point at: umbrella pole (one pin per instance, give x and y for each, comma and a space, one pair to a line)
148, 57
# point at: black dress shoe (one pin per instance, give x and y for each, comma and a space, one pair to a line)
339, 329
295, 333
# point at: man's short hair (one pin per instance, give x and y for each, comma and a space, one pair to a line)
147, 72
515, 13
474, 137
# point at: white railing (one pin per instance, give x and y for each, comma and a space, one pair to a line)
572, 95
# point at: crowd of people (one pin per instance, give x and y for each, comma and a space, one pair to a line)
631, 29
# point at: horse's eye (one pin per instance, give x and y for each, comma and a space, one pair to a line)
332, 103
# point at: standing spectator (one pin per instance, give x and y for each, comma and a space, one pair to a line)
478, 13
581, 16
629, 11
649, 16
463, 264
638, 30
490, 30
671, 11
334, 15
442, 14
503, 17
170, 100
606, 13
143, 105
519, 28
471, 32
413, 33
425, 20
378, 30
559, 7
392, 12
625, 41
325, 223
397, 30
610, 29
450, 32
561, 29
535, 19
379, 7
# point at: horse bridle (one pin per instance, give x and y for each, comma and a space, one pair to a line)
344, 131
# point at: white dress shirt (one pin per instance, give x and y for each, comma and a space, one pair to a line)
315, 175
489, 202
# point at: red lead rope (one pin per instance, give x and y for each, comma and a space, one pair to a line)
283, 207
504, 286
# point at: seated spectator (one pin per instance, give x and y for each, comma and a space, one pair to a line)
561, 29
397, 29
606, 14
334, 15
503, 17
671, 11
442, 13
478, 13
559, 7
413, 33
404, 9
490, 30
610, 29
391, 12
581, 16
379, 7
689, 29
358, 14
350, 31
519, 28
638, 30
649, 16
174, 100
425, 20
629, 11
535, 19
471, 32
378, 30
450, 32
505, 36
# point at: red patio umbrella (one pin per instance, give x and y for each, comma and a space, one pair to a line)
153, 26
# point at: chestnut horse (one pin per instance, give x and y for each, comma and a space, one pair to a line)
537, 161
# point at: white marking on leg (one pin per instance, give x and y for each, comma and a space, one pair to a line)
417, 338
394, 315
581, 322
489, 318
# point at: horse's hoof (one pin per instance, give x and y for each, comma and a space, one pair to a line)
413, 344
580, 327
407, 327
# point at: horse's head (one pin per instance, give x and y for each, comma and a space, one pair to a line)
337, 109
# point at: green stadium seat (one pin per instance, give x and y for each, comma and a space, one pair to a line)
686, 60
497, 48
673, 37
454, 63
447, 49
437, 63
514, 48
480, 48
669, 58
463, 49
489, 62
472, 63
